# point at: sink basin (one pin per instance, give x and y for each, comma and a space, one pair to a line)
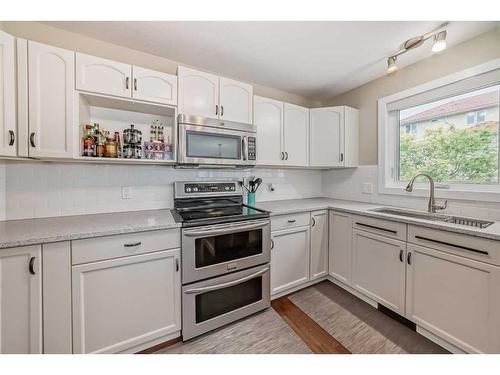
434, 217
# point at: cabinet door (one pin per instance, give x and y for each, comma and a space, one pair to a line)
268, 117
327, 137
235, 101
121, 303
8, 133
154, 86
296, 135
198, 93
51, 88
378, 269
319, 244
340, 249
455, 298
103, 76
289, 259
21, 300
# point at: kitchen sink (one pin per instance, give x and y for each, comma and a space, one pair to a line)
435, 217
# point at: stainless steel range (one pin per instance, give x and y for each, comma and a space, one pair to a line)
225, 255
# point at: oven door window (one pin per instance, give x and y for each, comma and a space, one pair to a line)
213, 146
227, 247
221, 301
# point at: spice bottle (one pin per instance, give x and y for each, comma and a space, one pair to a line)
88, 141
110, 148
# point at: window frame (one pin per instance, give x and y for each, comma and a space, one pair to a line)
388, 147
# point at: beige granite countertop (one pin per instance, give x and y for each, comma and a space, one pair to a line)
38, 231
311, 204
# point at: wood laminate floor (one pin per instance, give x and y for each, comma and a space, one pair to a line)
320, 319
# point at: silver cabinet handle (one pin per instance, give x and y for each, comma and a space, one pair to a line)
408, 258
378, 228
341, 156
221, 110
227, 230
282, 155
453, 245
32, 139
272, 244
226, 285
401, 256
135, 84
135, 244
216, 109
126, 82
313, 222
286, 153
12, 137
32, 266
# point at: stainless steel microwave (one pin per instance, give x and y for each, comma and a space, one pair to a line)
217, 143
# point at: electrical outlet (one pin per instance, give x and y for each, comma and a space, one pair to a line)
367, 188
126, 192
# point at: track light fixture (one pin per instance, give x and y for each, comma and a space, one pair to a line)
439, 45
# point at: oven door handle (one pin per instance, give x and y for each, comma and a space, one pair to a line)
215, 232
226, 285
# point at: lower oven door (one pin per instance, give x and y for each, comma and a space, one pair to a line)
215, 250
213, 303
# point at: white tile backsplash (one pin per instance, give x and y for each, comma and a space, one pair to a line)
347, 184
30, 189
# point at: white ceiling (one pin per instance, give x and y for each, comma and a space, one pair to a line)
317, 60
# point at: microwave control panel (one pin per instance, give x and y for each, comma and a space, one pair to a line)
252, 148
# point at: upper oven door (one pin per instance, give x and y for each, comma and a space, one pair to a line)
215, 250
217, 146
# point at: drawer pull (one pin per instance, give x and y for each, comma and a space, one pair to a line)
401, 256
135, 244
378, 228
292, 220
32, 266
453, 245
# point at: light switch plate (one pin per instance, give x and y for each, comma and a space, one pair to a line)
126, 192
367, 188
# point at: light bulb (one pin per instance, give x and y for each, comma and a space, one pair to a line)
439, 42
391, 65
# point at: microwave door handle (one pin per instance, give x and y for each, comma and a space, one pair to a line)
226, 285
244, 148
215, 232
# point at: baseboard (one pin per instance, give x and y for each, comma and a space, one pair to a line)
297, 288
349, 289
146, 347
438, 340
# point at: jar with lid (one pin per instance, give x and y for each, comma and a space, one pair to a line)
110, 148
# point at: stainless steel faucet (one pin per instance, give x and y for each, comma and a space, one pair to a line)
432, 206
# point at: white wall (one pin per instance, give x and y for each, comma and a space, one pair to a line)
38, 189
346, 184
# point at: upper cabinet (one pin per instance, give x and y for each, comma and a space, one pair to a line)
282, 133
334, 137
8, 132
50, 98
208, 95
102, 76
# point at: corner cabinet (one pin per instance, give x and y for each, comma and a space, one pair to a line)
319, 244
334, 137
208, 95
50, 101
8, 129
21, 300
120, 304
339, 246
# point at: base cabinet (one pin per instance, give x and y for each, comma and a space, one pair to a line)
121, 303
21, 300
339, 246
319, 244
455, 298
289, 258
378, 269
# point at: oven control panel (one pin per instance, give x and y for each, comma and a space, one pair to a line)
210, 187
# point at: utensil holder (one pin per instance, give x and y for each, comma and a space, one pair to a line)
251, 199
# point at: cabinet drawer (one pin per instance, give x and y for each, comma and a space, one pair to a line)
379, 226
482, 249
290, 221
101, 248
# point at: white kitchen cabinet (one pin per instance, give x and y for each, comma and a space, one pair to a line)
8, 130
454, 298
268, 117
295, 135
289, 258
122, 303
153, 86
339, 245
235, 100
51, 88
198, 93
334, 137
21, 300
103, 76
319, 244
378, 269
